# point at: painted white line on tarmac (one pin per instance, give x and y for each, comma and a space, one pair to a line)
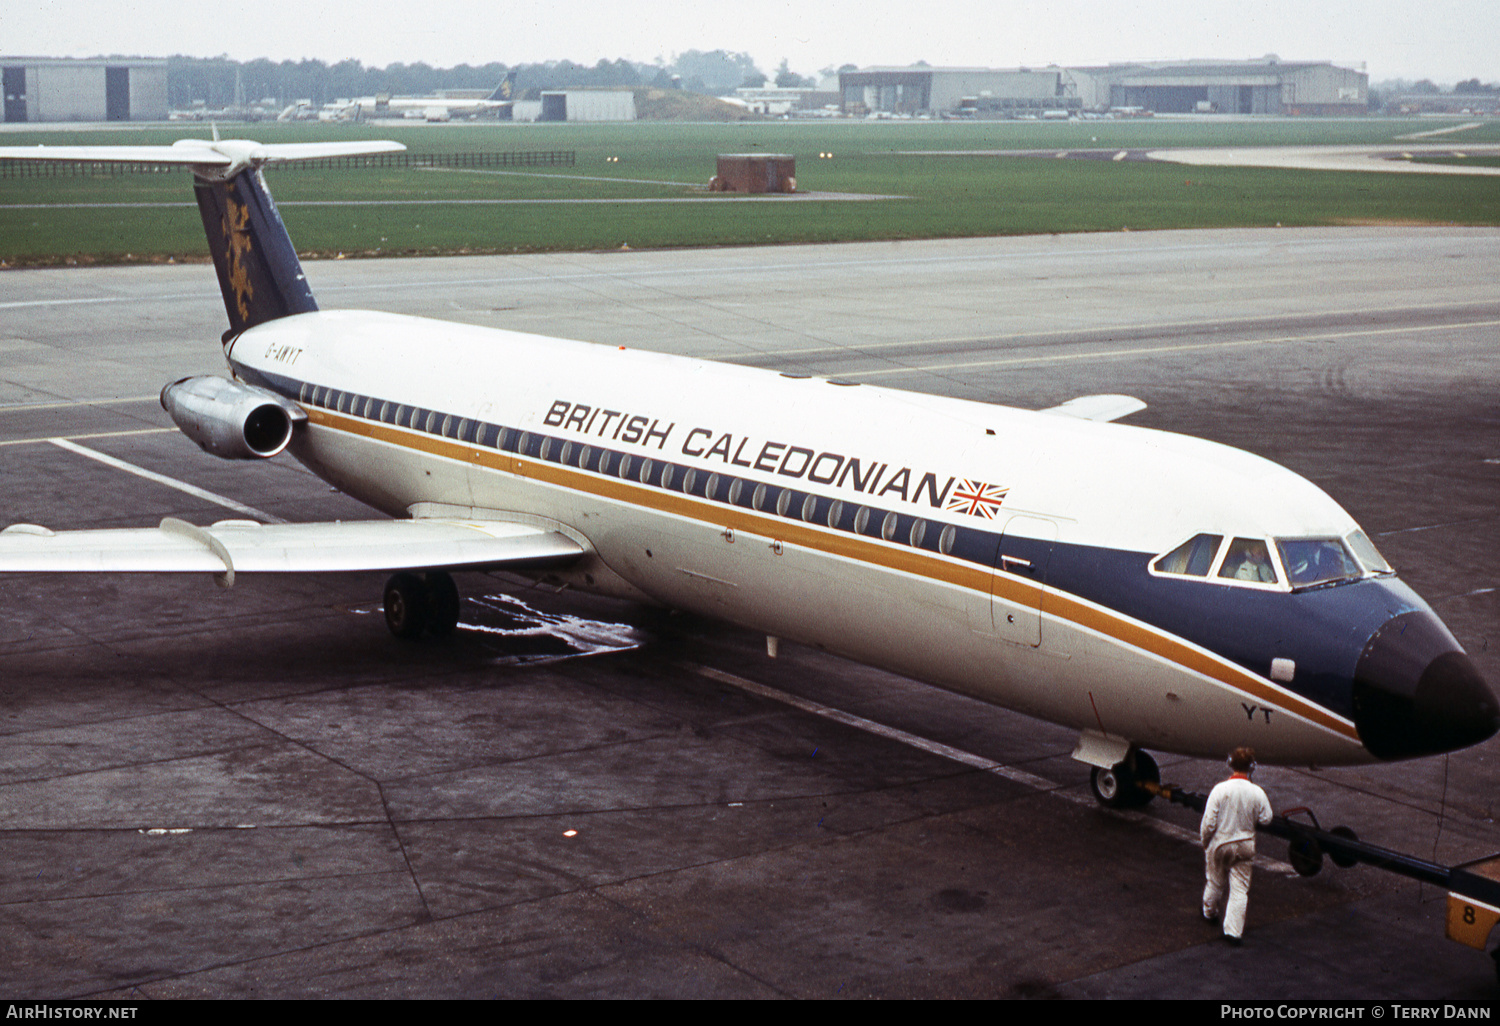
65, 404
49, 439
1070, 334
1111, 354
170, 482
958, 755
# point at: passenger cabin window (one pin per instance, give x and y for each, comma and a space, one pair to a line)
1248, 559
1193, 558
917, 534
1311, 561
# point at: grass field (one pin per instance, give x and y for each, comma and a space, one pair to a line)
967, 193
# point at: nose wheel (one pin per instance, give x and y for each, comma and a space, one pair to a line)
1119, 787
418, 603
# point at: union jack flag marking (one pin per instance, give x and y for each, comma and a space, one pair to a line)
977, 499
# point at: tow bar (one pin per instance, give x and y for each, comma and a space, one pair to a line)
1473, 888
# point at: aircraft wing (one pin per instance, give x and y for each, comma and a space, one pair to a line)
1098, 407
250, 547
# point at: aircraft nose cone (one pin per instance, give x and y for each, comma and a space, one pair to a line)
1417, 693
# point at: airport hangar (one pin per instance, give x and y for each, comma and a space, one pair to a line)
1264, 86
63, 89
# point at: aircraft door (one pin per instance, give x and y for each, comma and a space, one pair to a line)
1020, 571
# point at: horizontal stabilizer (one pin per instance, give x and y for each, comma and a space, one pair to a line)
202, 152
246, 546
1098, 407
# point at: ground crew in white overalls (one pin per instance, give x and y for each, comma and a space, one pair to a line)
1227, 832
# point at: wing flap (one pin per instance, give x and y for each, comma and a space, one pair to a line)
248, 547
1098, 407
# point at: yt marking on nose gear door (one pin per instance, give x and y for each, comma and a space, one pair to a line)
1251, 710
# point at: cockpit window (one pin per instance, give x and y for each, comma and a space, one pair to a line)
1368, 554
1311, 561
1193, 558
1248, 559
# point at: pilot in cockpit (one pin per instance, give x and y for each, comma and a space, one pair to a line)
1248, 559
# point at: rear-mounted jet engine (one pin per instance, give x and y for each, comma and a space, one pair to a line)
231, 420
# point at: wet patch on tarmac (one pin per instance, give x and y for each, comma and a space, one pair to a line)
523, 636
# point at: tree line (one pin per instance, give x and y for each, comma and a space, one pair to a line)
221, 82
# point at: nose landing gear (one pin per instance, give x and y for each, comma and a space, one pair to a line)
415, 603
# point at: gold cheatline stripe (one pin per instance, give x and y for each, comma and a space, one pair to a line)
852, 547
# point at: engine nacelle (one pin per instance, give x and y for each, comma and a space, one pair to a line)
230, 419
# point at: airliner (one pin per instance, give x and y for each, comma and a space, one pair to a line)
429, 108
1149, 590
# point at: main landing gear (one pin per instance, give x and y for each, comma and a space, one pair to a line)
421, 602
1119, 787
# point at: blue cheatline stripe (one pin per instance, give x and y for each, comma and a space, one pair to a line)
960, 542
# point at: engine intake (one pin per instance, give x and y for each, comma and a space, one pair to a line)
229, 419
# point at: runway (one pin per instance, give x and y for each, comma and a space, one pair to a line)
259, 792
1399, 158
1388, 158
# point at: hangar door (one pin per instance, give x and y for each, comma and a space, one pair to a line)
13, 86
117, 94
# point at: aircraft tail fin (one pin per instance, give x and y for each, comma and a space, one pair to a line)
505, 91
259, 274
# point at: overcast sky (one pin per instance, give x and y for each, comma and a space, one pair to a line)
1445, 40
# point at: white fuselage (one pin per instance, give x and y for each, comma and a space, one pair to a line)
901, 530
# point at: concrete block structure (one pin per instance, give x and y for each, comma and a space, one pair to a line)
755, 172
